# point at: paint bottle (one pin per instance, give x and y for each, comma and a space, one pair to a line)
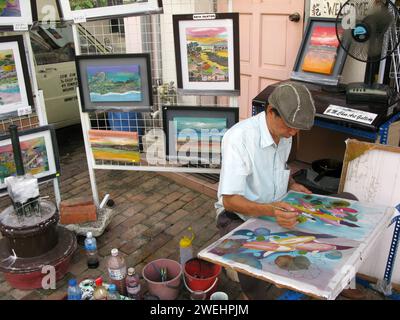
185, 247
74, 292
133, 284
100, 292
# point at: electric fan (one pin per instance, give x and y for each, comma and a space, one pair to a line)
363, 29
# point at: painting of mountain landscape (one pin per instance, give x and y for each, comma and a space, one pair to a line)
207, 50
34, 156
116, 83
10, 8
90, 4
115, 145
9, 86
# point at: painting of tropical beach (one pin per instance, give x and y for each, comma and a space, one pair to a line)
10, 8
207, 51
196, 134
34, 156
115, 145
9, 86
90, 4
116, 83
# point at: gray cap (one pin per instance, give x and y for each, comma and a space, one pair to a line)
295, 104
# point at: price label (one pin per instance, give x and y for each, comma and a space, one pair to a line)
24, 111
21, 27
204, 16
81, 18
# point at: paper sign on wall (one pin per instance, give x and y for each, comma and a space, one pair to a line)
330, 8
350, 114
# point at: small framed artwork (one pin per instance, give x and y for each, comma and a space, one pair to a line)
207, 53
320, 58
115, 82
81, 11
15, 86
15, 14
115, 145
194, 134
49, 10
39, 153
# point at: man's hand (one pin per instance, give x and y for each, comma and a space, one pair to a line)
287, 216
299, 188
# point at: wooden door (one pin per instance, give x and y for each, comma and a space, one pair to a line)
269, 42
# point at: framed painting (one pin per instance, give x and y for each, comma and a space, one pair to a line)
207, 53
100, 9
115, 145
15, 12
15, 86
317, 257
39, 153
194, 134
46, 11
115, 82
320, 58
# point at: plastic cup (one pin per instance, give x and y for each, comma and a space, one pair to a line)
219, 295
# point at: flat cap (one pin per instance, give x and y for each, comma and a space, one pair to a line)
295, 105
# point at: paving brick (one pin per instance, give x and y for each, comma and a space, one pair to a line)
135, 231
77, 268
116, 220
173, 206
133, 245
5, 287
178, 215
155, 218
177, 228
19, 294
172, 197
156, 229
33, 296
189, 196
154, 208
153, 198
135, 219
193, 204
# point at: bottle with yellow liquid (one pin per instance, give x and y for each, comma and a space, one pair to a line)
185, 247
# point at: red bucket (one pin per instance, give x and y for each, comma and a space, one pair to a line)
201, 277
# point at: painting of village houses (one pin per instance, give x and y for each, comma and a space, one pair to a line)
207, 50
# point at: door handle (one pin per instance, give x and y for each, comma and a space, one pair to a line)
295, 17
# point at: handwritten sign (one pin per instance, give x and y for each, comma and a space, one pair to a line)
350, 114
24, 111
331, 8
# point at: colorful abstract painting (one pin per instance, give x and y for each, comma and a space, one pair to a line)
34, 155
305, 260
207, 50
10, 8
322, 52
90, 4
339, 217
200, 134
116, 83
9, 85
115, 145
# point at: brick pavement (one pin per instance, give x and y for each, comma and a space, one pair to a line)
151, 213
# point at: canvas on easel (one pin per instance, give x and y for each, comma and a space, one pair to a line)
315, 258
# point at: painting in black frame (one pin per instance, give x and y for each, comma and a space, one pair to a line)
320, 59
39, 153
15, 85
194, 134
119, 82
207, 54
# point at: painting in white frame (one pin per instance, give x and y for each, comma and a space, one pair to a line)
13, 12
15, 86
98, 9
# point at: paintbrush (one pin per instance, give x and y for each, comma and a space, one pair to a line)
305, 215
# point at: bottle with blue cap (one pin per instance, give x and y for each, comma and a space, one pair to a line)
74, 292
185, 247
113, 293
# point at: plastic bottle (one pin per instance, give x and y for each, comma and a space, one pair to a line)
185, 247
117, 270
113, 293
74, 292
91, 251
100, 292
133, 284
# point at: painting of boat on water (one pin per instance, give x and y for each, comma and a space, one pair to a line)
115, 145
114, 83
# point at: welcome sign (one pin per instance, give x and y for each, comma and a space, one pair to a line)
331, 8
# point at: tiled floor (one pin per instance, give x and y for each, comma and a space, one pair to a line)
152, 211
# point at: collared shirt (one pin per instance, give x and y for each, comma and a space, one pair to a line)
253, 166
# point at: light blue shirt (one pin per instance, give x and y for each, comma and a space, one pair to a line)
253, 166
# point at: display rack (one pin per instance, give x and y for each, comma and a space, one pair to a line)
142, 34
38, 116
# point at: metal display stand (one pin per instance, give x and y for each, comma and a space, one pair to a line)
141, 34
